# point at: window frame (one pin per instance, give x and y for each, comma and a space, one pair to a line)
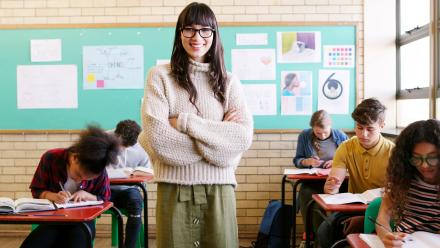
427, 30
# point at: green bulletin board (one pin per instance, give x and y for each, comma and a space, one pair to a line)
107, 107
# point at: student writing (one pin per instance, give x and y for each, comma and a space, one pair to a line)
129, 198
365, 157
316, 147
412, 195
81, 171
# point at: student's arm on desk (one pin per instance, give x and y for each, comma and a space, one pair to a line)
388, 237
334, 180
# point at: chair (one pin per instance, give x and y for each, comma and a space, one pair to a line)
115, 241
372, 212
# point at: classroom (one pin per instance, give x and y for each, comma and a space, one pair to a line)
390, 52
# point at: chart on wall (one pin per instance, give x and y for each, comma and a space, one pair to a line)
113, 67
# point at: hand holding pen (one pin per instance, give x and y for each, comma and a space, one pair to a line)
63, 196
390, 239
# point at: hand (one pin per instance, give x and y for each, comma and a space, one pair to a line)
313, 161
232, 115
61, 197
332, 185
173, 122
83, 196
327, 164
393, 240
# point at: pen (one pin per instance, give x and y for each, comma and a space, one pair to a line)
383, 227
63, 189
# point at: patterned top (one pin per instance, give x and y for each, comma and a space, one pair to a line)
422, 211
52, 169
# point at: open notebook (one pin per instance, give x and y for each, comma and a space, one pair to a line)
414, 240
128, 171
312, 171
343, 198
72, 204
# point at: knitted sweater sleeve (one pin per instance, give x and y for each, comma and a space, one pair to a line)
159, 138
221, 143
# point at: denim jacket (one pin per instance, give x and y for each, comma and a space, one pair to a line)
304, 148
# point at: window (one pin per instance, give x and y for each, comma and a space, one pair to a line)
415, 49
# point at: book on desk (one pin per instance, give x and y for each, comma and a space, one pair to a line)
344, 198
311, 171
128, 171
24, 205
414, 240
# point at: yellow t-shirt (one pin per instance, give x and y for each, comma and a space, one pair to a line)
366, 168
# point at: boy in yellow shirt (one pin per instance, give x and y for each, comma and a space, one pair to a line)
365, 157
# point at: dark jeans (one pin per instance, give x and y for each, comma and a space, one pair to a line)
66, 236
130, 200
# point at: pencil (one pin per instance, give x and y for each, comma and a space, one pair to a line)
383, 227
380, 225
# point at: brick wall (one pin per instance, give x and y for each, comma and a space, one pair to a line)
259, 174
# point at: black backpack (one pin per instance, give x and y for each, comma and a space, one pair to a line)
275, 228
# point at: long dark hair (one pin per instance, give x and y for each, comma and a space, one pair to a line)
400, 172
201, 14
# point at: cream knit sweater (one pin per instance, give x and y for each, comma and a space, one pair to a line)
203, 149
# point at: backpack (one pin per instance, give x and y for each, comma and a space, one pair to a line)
276, 226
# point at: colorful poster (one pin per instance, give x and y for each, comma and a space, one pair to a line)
113, 67
342, 56
299, 47
333, 91
296, 92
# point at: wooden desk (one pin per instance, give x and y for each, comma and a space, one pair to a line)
345, 208
67, 216
356, 242
294, 181
139, 182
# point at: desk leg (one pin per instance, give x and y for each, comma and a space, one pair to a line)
88, 234
283, 191
144, 191
118, 215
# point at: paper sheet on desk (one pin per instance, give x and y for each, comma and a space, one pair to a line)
415, 240
317, 171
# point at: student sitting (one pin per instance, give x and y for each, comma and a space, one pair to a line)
80, 170
316, 147
129, 197
365, 157
412, 195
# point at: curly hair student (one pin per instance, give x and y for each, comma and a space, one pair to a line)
412, 192
196, 126
76, 173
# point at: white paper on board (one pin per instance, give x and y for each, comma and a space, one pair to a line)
46, 50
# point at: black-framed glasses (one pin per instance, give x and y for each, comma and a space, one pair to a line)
203, 32
429, 160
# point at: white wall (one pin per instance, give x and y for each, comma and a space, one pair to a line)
380, 54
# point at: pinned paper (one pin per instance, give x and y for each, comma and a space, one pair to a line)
91, 78
100, 84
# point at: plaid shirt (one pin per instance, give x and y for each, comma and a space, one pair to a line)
52, 169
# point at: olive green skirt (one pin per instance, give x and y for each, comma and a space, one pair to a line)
196, 216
